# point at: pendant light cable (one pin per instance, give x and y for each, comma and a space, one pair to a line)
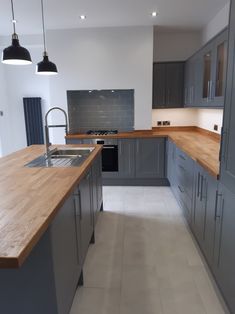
43, 26
13, 17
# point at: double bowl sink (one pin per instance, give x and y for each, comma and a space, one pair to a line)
62, 158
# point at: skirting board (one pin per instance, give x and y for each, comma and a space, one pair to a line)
136, 182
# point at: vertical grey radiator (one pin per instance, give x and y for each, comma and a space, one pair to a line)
33, 120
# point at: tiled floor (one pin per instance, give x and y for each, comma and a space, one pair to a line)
144, 260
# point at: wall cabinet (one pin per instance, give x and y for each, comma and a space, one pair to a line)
205, 74
150, 158
168, 85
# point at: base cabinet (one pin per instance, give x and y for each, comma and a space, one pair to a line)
150, 158
224, 253
203, 222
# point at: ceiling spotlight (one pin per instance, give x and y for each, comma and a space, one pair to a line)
154, 14
82, 17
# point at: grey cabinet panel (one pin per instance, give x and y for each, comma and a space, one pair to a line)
150, 158
224, 253
159, 85
205, 74
126, 151
73, 141
86, 213
96, 187
168, 85
204, 211
227, 174
174, 84
65, 259
171, 162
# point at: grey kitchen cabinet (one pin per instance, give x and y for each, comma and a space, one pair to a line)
183, 188
96, 187
126, 153
66, 264
86, 213
227, 171
150, 158
203, 222
211, 69
171, 162
224, 253
168, 85
191, 92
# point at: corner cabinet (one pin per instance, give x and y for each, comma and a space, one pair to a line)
150, 158
168, 85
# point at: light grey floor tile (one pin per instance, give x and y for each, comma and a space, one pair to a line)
96, 301
145, 260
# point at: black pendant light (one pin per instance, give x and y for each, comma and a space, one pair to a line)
45, 67
15, 54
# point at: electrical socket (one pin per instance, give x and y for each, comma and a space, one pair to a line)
159, 123
166, 123
216, 127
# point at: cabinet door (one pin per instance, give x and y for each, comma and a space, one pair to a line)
210, 190
126, 151
65, 259
150, 158
207, 62
198, 222
227, 175
96, 187
174, 84
86, 215
224, 253
220, 66
159, 85
170, 161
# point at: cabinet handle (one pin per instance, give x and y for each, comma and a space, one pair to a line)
192, 94
208, 91
181, 167
185, 95
202, 183
182, 191
182, 157
223, 146
77, 202
211, 85
198, 184
218, 195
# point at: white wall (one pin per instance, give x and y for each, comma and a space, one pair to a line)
105, 58
177, 117
170, 45
219, 22
203, 118
20, 81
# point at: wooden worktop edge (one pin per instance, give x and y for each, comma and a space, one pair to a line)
17, 262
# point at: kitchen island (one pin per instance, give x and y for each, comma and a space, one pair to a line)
47, 220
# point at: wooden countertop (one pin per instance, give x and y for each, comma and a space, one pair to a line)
30, 199
201, 145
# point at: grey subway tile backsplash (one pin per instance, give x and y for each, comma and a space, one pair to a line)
100, 110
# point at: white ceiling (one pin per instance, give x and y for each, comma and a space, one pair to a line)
102, 13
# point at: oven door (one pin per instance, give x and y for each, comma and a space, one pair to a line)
109, 157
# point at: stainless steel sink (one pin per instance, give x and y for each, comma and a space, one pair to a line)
62, 158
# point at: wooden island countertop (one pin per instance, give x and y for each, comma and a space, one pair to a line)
30, 198
201, 145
